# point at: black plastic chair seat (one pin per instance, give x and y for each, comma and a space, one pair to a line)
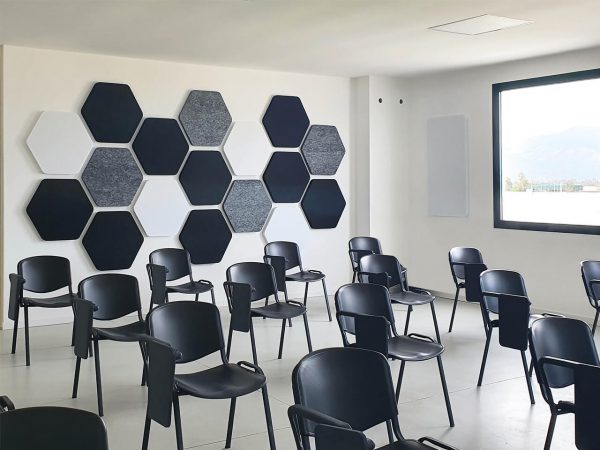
61, 301
407, 348
224, 381
192, 287
408, 444
131, 332
397, 295
305, 276
279, 311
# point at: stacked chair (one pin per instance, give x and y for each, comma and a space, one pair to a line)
360, 246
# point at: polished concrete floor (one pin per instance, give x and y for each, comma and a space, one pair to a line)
496, 416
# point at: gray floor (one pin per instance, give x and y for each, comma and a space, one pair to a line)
496, 416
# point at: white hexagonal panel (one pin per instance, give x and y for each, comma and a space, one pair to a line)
161, 207
247, 148
59, 142
287, 223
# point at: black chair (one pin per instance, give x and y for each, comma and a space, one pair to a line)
356, 304
565, 339
360, 246
291, 253
190, 331
39, 275
158, 284
107, 296
387, 271
348, 388
260, 277
51, 427
590, 272
458, 257
178, 265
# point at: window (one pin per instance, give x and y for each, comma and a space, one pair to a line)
547, 153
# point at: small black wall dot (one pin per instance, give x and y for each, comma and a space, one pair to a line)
401, 101
380, 100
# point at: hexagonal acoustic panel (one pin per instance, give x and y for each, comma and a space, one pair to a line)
247, 148
323, 150
112, 176
285, 121
287, 223
205, 177
205, 236
111, 112
205, 118
59, 209
286, 177
59, 142
161, 207
247, 206
160, 146
113, 240
323, 203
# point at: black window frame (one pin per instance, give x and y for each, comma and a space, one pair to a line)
497, 89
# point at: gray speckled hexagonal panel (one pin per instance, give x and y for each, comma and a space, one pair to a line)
112, 176
205, 118
247, 206
323, 150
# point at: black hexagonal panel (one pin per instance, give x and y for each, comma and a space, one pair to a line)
205, 177
160, 146
323, 203
113, 240
286, 177
59, 209
205, 236
111, 112
285, 121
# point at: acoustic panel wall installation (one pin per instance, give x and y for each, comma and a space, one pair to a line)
160, 146
247, 206
161, 207
113, 240
205, 118
205, 236
111, 112
323, 203
287, 223
447, 166
59, 209
205, 177
285, 121
323, 150
112, 177
247, 148
59, 143
286, 177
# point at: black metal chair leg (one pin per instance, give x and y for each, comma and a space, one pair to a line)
230, 423
550, 432
212, 296
527, 378
485, 354
407, 320
354, 276
445, 388
388, 425
593, 326
27, 351
265, 396
144, 372
286, 300
146, 432
196, 298
253, 344
305, 293
15, 331
76, 378
73, 331
229, 338
266, 304
98, 378
435, 323
281, 339
308, 341
453, 310
399, 384
531, 368
326, 299
177, 414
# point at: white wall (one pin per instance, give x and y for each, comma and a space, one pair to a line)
549, 262
37, 80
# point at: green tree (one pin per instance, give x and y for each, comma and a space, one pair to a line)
508, 184
522, 184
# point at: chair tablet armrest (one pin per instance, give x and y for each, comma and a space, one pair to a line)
418, 290
294, 302
176, 353
318, 272
302, 412
421, 337
437, 443
204, 282
6, 404
250, 367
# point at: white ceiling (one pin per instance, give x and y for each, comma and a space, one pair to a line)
338, 37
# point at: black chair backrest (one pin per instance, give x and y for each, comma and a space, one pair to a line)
114, 295
43, 274
289, 250
472, 273
350, 384
260, 276
51, 427
16, 295
364, 299
501, 282
365, 243
176, 260
590, 271
587, 399
560, 337
463, 255
278, 264
84, 320
161, 375
239, 297
192, 328
383, 264
328, 437
158, 283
